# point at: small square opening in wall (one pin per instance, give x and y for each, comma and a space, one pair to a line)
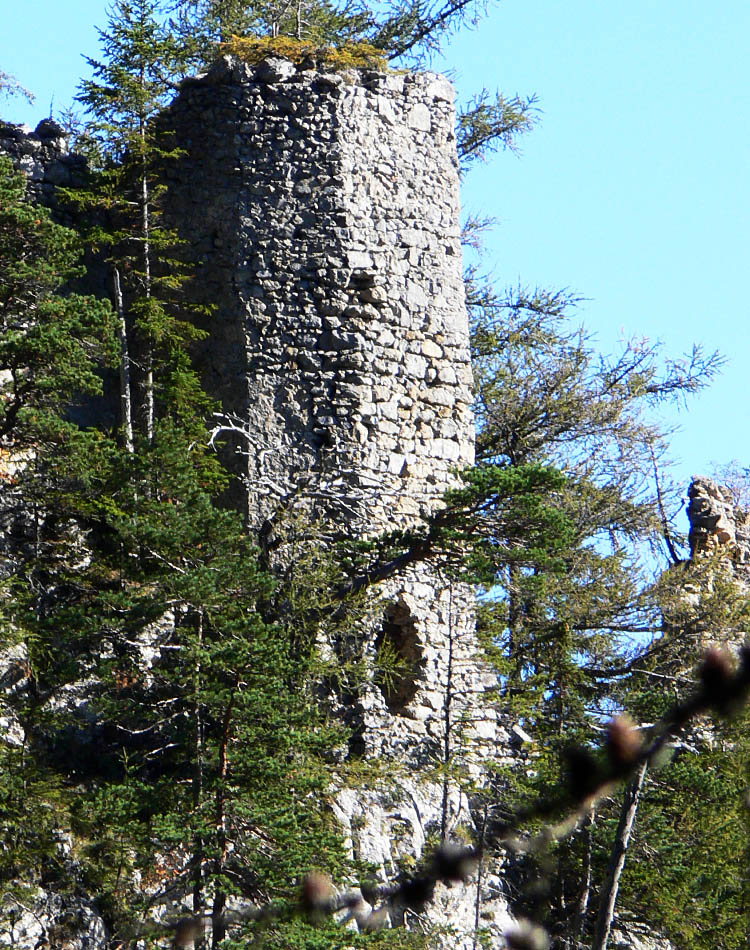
399, 660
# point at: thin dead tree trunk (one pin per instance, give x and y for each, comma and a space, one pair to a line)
617, 860
447, 722
146, 229
480, 868
585, 895
126, 399
220, 897
199, 845
666, 531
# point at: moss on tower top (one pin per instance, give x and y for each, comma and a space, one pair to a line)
254, 49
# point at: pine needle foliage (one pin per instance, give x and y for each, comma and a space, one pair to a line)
130, 86
688, 874
211, 746
52, 345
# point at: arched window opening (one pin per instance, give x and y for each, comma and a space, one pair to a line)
398, 658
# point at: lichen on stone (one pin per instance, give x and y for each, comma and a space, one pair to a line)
254, 49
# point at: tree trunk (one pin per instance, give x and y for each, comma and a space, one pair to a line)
199, 844
447, 724
585, 895
515, 629
480, 867
148, 360
126, 399
220, 897
617, 860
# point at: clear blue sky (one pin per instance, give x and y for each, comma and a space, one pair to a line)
632, 191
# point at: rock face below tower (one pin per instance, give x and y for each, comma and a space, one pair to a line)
321, 213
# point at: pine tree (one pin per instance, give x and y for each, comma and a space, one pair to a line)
544, 397
214, 743
694, 803
203, 25
410, 28
559, 631
687, 872
52, 345
131, 85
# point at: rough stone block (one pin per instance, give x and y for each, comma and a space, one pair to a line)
275, 69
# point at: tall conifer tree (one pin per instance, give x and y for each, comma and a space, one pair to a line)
130, 85
51, 345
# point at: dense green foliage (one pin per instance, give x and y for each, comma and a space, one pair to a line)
211, 750
49, 342
212, 761
190, 659
123, 99
696, 807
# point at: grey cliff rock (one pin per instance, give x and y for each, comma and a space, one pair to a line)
717, 523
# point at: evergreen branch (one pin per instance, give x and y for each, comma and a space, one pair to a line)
484, 126
417, 26
722, 690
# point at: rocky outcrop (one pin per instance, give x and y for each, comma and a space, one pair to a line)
637, 936
392, 827
718, 525
44, 157
49, 921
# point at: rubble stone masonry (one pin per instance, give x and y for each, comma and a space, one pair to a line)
322, 212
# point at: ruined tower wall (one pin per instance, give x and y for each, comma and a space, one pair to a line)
322, 212
323, 209
44, 157
320, 216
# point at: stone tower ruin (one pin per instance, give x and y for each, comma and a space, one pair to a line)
320, 215
321, 212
